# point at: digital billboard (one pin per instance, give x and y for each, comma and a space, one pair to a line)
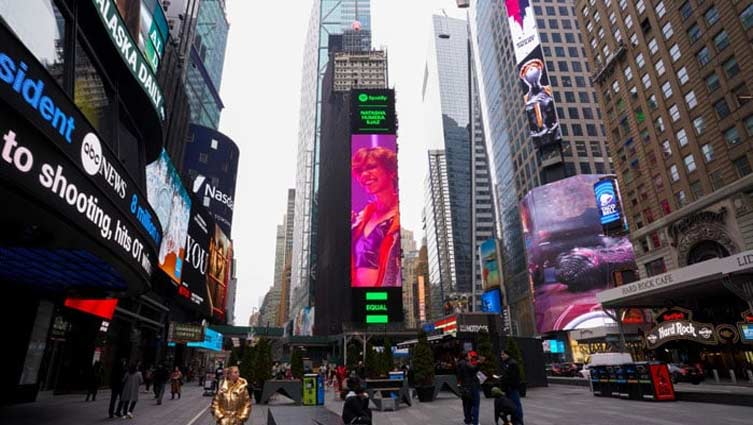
540, 110
491, 301
375, 212
212, 341
303, 324
172, 204
569, 257
211, 162
153, 32
220, 255
490, 276
608, 202
193, 287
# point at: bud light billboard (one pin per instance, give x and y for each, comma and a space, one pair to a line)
172, 204
570, 259
375, 212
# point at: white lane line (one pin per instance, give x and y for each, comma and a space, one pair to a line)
198, 415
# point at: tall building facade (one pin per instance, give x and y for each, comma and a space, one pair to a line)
514, 163
328, 17
285, 276
360, 70
205, 63
410, 277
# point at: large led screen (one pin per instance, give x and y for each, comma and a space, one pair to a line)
375, 212
569, 257
201, 230
219, 271
172, 204
491, 301
490, 277
543, 125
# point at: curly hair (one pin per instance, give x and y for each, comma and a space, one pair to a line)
384, 157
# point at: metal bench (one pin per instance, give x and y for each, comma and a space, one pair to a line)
384, 387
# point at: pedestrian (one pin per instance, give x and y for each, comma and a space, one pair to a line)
470, 386
148, 377
93, 380
356, 408
340, 374
117, 373
176, 382
130, 394
161, 375
361, 370
232, 404
504, 408
219, 375
510, 383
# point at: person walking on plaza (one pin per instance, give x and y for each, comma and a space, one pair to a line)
232, 404
93, 379
117, 373
470, 386
148, 377
130, 395
510, 383
161, 375
176, 382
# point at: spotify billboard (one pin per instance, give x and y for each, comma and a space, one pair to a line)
51, 156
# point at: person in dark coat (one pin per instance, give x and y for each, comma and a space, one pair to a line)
510, 383
116, 383
130, 395
504, 408
467, 371
356, 408
161, 376
93, 381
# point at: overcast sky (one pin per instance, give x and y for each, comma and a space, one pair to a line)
261, 92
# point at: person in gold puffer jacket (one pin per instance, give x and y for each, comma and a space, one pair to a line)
232, 404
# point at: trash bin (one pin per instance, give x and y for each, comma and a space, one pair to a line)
621, 382
645, 387
633, 387
661, 382
611, 389
309, 389
596, 386
320, 390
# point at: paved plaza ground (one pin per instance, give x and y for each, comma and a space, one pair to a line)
557, 404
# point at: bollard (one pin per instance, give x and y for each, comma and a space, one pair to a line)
750, 376
732, 376
716, 376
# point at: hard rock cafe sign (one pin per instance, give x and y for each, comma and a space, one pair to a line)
677, 324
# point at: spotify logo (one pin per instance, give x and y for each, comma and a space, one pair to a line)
363, 97
91, 154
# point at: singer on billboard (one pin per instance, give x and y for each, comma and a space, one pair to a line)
375, 229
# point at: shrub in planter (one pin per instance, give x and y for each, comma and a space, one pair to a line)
262, 365
423, 368
296, 363
514, 350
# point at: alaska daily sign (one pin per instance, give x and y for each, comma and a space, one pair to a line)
50, 150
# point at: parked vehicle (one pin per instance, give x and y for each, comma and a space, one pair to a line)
685, 373
604, 359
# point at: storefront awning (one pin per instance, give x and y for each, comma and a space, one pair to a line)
664, 289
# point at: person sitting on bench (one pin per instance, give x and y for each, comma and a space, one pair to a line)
356, 409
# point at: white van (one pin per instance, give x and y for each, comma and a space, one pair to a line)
605, 359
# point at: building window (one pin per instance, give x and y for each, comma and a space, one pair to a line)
659, 124
652, 46
640, 6
696, 189
595, 149
665, 207
652, 101
649, 215
577, 130
659, 66
667, 30
646, 79
699, 125
580, 148
686, 10
708, 152
721, 108
721, 41
682, 74
731, 67
674, 112
689, 163
674, 51
666, 88
690, 99
674, 173
711, 15
639, 60
741, 94
742, 166
747, 17
591, 130
703, 56
731, 136
666, 148
749, 125
655, 267
712, 83
572, 112
717, 182
634, 40
585, 168
628, 71
616, 86
660, 11
682, 137
682, 200
694, 33
587, 113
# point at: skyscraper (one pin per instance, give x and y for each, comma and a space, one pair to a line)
453, 121
285, 276
328, 17
674, 82
410, 276
515, 165
205, 63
